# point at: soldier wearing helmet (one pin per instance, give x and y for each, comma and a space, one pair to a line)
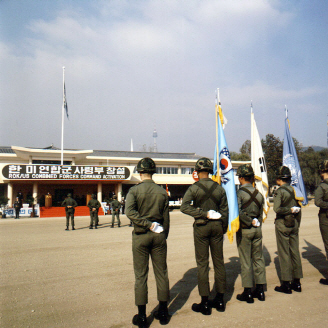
321, 200
94, 206
116, 205
206, 201
249, 236
70, 205
147, 206
287, 224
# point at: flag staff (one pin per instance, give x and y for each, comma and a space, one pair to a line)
217, 132
62, 134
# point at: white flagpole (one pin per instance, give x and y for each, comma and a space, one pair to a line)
62, 135
217, 136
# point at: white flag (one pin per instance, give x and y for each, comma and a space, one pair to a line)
259, 166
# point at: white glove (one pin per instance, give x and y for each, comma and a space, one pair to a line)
157, 228
295, 209
214, 215
256, 223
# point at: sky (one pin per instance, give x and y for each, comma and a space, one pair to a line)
135, 65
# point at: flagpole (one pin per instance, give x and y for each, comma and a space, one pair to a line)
62, 134
217, 135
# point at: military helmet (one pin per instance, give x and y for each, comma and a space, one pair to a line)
323, 166
283, 172
69, 195
204, 164
146, 165
245, 170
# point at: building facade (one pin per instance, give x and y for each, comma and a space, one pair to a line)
37, 172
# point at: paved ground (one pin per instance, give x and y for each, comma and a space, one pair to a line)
84, 278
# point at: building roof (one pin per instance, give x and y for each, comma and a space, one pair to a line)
6, 150
105, 153
141, 154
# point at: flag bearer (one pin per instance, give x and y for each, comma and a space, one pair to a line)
321, 200
249, 236
210, 211
147, 206
287, 227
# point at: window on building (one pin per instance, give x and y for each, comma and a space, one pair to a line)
167, 170
187, 170
40, 161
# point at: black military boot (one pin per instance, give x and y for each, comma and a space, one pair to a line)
91, 227
67, 228
203, 307
73, 228
140, 319
259, 292
218, 302
296, 285
284, 288
162, 314
323, 281
246, 296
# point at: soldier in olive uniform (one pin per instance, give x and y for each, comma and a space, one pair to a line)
70, 205
210, 211
147, 206
321, 200
249, 236
287, 224
94, 206
17, 207
116, 205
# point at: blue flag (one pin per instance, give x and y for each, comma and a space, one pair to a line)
291, 161
224, 174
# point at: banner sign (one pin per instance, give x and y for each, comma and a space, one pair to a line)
64, 172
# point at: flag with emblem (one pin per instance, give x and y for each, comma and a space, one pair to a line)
290, 160
223, 173
259, 167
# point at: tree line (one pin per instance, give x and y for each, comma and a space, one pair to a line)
309, 159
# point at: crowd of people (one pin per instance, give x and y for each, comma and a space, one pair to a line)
147, 207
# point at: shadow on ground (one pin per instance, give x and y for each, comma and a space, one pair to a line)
315, 256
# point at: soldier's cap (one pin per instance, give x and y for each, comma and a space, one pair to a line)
283, 172
204, 164
245, 170
146, 165
323, 166
69, 195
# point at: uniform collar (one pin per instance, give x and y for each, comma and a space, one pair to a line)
148, 181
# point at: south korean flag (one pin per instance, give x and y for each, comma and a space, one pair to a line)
225, 163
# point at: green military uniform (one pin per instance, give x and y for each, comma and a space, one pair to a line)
287, 236
208, 234
249, 238
94, 204
116, 205
147, 203
69, 201
321, 200
17, 207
